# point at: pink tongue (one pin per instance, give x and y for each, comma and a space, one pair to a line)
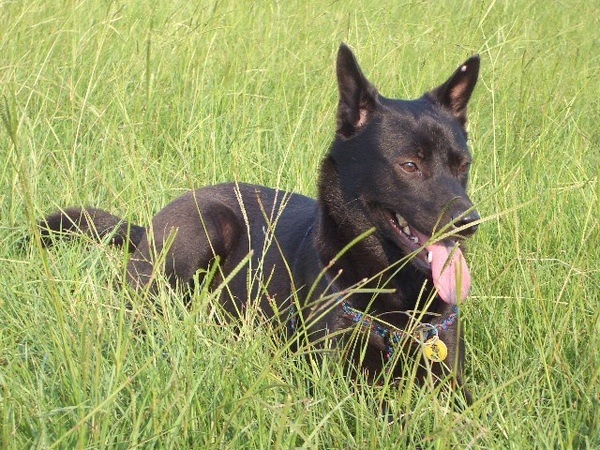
450, 272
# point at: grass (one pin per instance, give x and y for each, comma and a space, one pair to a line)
127, 105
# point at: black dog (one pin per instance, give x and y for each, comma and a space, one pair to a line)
358, 261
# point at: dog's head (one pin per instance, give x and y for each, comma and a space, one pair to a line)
403, 167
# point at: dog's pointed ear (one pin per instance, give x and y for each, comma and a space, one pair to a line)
358, 97
455, 93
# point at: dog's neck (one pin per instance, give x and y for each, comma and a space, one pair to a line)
340, 221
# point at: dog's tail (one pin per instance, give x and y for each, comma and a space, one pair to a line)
92, 222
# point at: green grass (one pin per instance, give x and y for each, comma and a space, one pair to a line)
125, 105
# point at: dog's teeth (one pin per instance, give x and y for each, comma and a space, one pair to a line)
414, 239
429, 257
406, 231
401, 221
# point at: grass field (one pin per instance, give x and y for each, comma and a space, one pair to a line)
125, 105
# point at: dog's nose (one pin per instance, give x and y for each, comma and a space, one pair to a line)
466, 220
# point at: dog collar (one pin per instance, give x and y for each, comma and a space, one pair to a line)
425, 333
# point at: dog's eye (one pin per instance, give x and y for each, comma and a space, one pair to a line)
409, 167
464, 167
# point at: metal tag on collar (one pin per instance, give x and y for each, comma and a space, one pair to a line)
435, 350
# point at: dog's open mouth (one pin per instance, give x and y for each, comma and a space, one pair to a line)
444, 259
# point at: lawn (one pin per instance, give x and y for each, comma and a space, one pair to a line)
126, 105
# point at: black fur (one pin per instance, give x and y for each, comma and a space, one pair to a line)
388, 156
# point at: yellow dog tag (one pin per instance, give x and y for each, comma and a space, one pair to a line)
435, 350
